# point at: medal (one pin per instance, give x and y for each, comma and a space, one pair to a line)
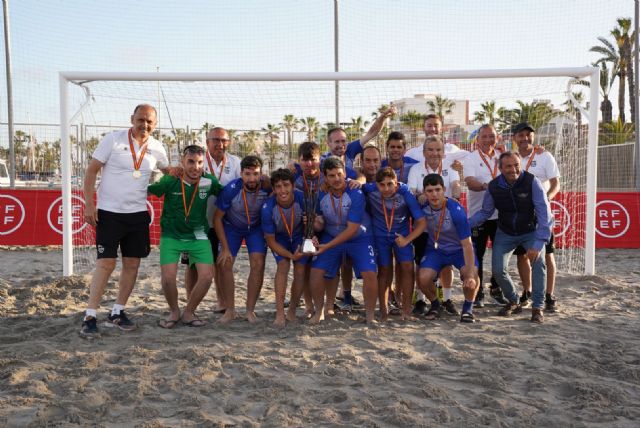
137, 161
288, 228
440, 221
388, 219
435, 245
493, 172
246, 205
187, 209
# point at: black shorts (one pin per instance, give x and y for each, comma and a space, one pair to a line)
129, 231
549, 248
215, 243
419, 245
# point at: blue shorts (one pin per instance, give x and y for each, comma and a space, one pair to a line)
253, 238
386, 246
290, 246
360, 251
436, 260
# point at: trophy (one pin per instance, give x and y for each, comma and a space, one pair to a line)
310, 206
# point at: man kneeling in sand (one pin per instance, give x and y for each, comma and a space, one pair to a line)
184, 230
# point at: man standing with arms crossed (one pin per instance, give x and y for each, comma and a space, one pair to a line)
544, 167
126, 160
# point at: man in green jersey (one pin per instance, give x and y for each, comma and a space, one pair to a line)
184, 229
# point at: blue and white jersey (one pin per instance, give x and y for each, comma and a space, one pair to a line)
455, 226
402, 204
353, 149
403, 172
315, 183
273, 222
337, 211
232, 202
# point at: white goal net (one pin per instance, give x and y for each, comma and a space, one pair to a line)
271, 114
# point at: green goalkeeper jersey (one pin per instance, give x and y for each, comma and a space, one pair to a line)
175, 223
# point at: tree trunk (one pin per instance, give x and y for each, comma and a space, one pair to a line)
632, 92
621, 95
607, 110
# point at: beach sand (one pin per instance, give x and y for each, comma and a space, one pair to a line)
580, 368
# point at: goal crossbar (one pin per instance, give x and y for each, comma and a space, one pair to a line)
80, 77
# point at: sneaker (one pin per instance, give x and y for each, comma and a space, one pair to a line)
120, 321
450, 308
89, 327
355, 302
479, 301
345, 307
550, 304
392, 309
420, 308
525, 298
467, 317
496, 294
536, 316
509, 309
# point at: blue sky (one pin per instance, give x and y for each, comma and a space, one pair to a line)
289, 35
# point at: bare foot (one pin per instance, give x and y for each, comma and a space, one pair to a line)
384, 317
252, 317
308, 314
228, 316
291, 317
371, 320
316, 318
329, 313
279, 322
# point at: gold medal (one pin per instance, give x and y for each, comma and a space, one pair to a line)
137, 174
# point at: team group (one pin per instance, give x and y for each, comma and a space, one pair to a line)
396, 215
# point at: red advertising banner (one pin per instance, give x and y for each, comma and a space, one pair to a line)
34, 217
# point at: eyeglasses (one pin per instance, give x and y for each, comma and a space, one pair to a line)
218, 140
193, 150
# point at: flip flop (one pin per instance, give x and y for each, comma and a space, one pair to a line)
168, 324
196, 322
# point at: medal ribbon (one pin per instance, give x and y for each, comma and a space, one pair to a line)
288, 228
533, 154
307, 185
337, 212
486, 162
388, 221
143, 150
209, 159
187, 210
434, 171
246, 205
440, 221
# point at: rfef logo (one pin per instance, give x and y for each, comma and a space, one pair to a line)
12, 214
55, 219
612, 219
561, 218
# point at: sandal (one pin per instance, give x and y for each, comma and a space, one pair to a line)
196, 322
433, 313
467, 317
168, 324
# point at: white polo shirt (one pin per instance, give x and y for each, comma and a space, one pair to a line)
227, 171
119, 191
451, 153
543, 166
419, 171
475, 167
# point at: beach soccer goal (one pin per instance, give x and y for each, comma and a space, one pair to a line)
270, 114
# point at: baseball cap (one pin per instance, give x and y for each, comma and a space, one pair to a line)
521, 127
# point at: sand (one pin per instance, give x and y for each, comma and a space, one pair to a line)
580, 368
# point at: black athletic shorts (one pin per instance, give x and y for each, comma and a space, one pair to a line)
419, 245
549, 248
129, 231
215, 243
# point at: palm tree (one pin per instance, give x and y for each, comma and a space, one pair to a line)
271, 145
311, 126
488, 114
414, 121
384, 132
290, 124
248, 144
606, 82
537, 113
505, 119
206, 127
441, 106
356, 128
624, 41
616, 132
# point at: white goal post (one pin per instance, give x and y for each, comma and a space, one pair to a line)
79, 78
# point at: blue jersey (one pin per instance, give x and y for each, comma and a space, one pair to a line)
402, 203
403, 172
455, 226
354, 148
337, 211
273, 222
314, 184
232, 202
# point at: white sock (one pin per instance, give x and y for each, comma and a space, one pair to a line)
447, 293
90, 313
116, 309
420, 295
